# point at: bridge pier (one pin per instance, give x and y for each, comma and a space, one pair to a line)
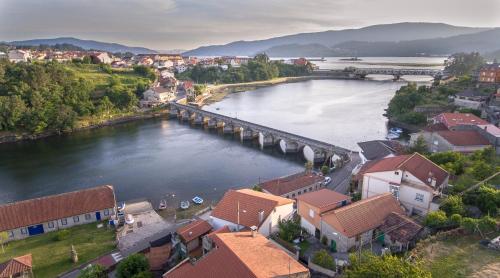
266, 140
211, 123
184, 115
172, 113
197, 119
247, 134
397, 77
289, 146
228, 128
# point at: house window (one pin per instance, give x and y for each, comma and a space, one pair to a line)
394, 190
64, 221
11, 234
24, 231
300, 193
50, 224
106, 212
87, 216
310, 189
293, 195
305, 190
311, 213
76, 219
396, 173
419, 197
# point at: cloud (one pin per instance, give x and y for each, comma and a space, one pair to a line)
165, 24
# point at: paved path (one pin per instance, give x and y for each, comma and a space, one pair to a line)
341, 178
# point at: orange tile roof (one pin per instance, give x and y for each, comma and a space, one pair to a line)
250, 202
362, 216
464, 137
291, 183
40, 210
16, 266
324, 199
194, 230
241, 255
418, 165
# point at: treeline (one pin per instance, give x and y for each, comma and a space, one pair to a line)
56, 47
257, 69
37, 97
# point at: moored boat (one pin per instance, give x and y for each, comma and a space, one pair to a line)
197, 200
395, 130
392, 136
184, 204
163, 204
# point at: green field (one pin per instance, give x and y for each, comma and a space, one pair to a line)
461, 257
52, 257
101, 79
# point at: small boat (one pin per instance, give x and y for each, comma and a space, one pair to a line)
163, 204
121, 206
392, 136
129, 219
197, 200
184, 204
396, 130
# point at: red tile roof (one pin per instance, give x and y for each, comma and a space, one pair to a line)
362, 216
464, 137
291, 183
15, 266
400, 227
194, 230
240, 255
324, 199
40, 210
451, 120
418, 165
250, 202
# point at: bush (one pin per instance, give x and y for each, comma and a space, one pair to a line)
453, 205
436, 219
325, 170
487, 224
456, 219
62, 235
94, 271
290, 229
132, 266
324, 240
323, 259
469, 224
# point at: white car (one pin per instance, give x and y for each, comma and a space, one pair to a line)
327, 181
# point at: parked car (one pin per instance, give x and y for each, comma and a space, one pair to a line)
326, 181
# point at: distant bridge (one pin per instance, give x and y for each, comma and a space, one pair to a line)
313, 150
361, 73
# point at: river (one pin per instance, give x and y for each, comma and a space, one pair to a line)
154, 158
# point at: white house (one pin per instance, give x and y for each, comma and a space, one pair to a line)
412, 179
157, 95
246, 208
51, 213
18, 55
102, 57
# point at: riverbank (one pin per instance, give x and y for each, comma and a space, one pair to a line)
217, 93
84, 124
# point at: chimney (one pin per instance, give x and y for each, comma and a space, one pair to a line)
254, 229
261, 216
433, 182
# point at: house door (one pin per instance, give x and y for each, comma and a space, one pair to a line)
317, 233
35, 230
98, 216
333, 246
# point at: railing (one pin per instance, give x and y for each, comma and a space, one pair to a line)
301, 139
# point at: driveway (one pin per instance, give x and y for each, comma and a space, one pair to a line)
341, 178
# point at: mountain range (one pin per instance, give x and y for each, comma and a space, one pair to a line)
305, 44
86, 44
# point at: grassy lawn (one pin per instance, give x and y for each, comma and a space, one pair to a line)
52, 257
460, 257
101, 79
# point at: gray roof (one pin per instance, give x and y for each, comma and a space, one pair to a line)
378, 149
471, 93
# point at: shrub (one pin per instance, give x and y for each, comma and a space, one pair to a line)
487, 224
289, 229
323, 259
325, 170
324, 240
456, 219
469, 224
94, 271
435, 219
62, 235
453, 205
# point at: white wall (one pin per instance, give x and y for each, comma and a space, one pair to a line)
279, 213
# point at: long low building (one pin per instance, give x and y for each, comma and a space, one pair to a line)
46, 214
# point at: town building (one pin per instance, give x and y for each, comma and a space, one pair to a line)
439, 139
470, 98
399, 232
19, 267
293, 185
490, 73
241, 254
378, 149
157, 95
190, 237
312, 206
353, 225
101, 57
245, 208
51, 213
159, 252
18, 55
413, 179
181, 68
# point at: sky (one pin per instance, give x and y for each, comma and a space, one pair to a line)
187, 24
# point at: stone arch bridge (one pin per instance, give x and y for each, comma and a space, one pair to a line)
313, 150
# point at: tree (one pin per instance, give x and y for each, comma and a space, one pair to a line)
453, 205
93, 271
464, 63
290, 229
486, 198
370, 265
257, 188
325, 170
419, 146
323, 259
308, 166
132, 265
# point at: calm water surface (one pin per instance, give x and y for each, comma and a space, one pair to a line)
157, 157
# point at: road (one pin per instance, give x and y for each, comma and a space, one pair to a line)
342, 178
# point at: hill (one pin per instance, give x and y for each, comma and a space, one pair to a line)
86, 44
376, 33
